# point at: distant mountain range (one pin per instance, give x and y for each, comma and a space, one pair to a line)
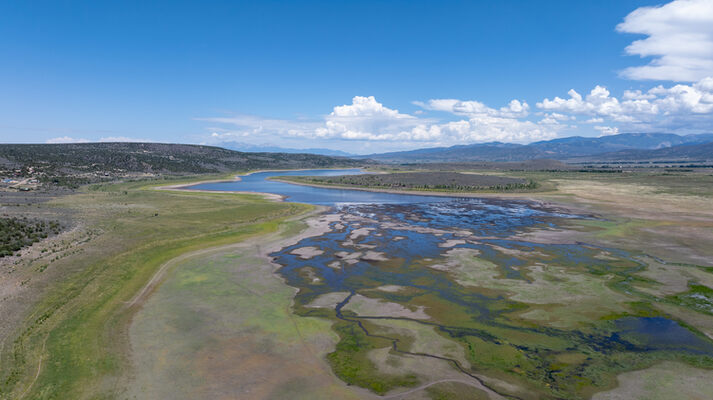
250, 148
625, 146
682, 153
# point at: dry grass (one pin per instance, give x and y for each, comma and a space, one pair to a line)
221, 325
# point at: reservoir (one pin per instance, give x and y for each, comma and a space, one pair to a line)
258, 182
469, 268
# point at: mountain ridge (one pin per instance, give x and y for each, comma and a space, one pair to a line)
251, 148
120, 158
692, 152
559, 149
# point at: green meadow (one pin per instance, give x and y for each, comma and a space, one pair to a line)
213, 315
73, 344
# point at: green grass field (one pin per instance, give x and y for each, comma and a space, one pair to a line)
73, 343
221, 322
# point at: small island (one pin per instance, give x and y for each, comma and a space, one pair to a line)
420, 181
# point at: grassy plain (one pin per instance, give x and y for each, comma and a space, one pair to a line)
663, 381
664, 222
205, 322
72, 342
221, 326
664, 214
440, 181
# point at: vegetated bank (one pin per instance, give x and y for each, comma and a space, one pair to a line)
422, 181
17, 233
72, 165
580, 277
66, 325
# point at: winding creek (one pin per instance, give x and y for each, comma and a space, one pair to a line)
463, 267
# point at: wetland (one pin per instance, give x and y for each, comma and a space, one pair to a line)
425, 291
594, 286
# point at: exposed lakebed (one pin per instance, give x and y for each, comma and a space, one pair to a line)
554, 319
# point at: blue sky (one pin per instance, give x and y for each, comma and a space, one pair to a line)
361, 76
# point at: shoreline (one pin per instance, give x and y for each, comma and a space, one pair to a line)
549, 199
316, 222
272, 241
185, 187
529, 195
543, 198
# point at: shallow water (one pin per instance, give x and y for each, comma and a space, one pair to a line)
659, 333
411, 229
258, 182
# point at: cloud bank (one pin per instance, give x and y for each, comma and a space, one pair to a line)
108, 139
680, 40
678, 44
673, 108
366, 119
683, 108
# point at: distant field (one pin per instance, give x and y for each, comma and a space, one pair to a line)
697, 182
446, 181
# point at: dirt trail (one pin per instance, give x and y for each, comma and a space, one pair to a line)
216, 363
252, 241
39, 369
158, 276
427, 385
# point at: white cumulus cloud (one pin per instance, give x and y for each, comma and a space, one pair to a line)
368, 120
66, 139
660, 107
114, 139
679, 38
682, 108
107, 139
607, 130
472, 108
486, 124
